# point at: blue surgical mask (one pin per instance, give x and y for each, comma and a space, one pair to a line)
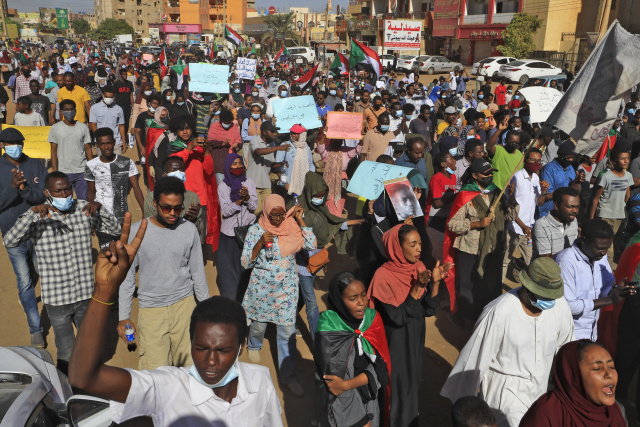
226, 126
332, 92
180, 103
543, 304
453, 151
283, 93
399, 113
630, 110
231, 374
259, 86
62, 203
384, 128
217, 113
516, 96
449, 170
480, 96
178, 174
255, 116
471, 137
318, 201
13, 151
237, 90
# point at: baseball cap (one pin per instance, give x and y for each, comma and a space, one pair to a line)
450, 110
481, 166
542, 277
297, 129
567, 147
268, 126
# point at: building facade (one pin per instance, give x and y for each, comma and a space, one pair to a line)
211, 15
138, 13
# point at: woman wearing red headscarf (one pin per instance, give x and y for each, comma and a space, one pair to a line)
404, 292
585, 380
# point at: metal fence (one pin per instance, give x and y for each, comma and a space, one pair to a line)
558, 59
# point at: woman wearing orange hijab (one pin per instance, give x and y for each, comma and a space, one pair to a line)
404, 292
272, 295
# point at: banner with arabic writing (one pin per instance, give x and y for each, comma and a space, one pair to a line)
403, 34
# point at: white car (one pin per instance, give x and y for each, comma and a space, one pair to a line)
387, 60
406, 62
307, 52
437, 64
491, 64
35, 393
519, 71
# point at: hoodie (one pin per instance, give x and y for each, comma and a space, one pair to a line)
14, 202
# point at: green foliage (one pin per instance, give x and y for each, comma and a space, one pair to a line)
81, 26
8, 21
518, 36
280, 23
110, 27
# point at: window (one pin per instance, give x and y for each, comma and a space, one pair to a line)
502, 61
499, 7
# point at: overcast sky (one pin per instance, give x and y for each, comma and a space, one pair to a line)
87, 5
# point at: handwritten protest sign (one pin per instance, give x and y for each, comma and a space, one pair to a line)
36, 142
542, 101
369, 179
209, 78
246, 68
344, 125
297, 110
147, 57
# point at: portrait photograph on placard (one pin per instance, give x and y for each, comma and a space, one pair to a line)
403, 199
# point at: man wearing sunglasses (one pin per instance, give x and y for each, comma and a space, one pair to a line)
171, 272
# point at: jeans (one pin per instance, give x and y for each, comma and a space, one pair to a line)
286, 340
79, 185
23, 259
219, 177
62, 317
309, 297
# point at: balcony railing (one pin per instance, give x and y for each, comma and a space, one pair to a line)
502, 18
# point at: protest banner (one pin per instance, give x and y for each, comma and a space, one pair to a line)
147, 57
369, 179
246, 68
36, 140
209, 78
344, 125
542, 101
402, 34
297, 110
588, 109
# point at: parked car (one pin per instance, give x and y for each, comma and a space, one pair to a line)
406, 62
299, 60
151, 49
520, 71
491, 64
387, 60
437, 65
545, 81
35, 393
307, 52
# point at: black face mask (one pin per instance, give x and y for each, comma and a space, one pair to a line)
486, 181
26, 73
165, 223
564, 162
377, 107
511, 147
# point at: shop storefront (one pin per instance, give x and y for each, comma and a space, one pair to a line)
479, 41
185, 33
365, 30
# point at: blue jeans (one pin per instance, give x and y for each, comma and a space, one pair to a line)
309, 297
23, 260
62, 318
79, 185
286, 347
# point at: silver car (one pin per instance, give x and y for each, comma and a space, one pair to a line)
34, 393
438, 65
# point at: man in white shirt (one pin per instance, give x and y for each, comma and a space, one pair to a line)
217, 390
508, 358
526, 188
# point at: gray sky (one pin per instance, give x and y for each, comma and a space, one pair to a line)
87, 5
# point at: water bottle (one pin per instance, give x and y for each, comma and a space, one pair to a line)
284, 180
129, 333
269, 246
295, 199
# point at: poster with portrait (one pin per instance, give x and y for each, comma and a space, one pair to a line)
403, 199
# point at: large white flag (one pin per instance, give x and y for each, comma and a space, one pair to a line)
588, 109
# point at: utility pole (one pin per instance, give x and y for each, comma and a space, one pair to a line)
224, 18
4, 25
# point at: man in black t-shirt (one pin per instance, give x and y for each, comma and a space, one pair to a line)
40, 103
486, 88
140, 127
124, 97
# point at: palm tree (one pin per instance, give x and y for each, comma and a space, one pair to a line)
280, 24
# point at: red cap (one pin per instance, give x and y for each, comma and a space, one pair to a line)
297, 129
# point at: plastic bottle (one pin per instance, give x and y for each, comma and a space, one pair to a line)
129, 332
295, 199
269, 246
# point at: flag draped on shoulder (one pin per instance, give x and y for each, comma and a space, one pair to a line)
361, 54
589, 107
282, 52
182, 71
306, 80
340, 65
232, 36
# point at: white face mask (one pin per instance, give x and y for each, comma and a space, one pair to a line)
148, 92
108, 101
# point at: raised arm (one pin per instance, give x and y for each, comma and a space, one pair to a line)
87, 371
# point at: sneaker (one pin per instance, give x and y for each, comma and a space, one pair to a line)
254, 356
296, 389
37, 340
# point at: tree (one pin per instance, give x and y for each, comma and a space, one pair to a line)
81, 26
280, 24
518, 36
110, 27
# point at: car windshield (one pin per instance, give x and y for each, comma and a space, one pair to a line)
407, 57
487, 60
517, 63
292, 50
11, 386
